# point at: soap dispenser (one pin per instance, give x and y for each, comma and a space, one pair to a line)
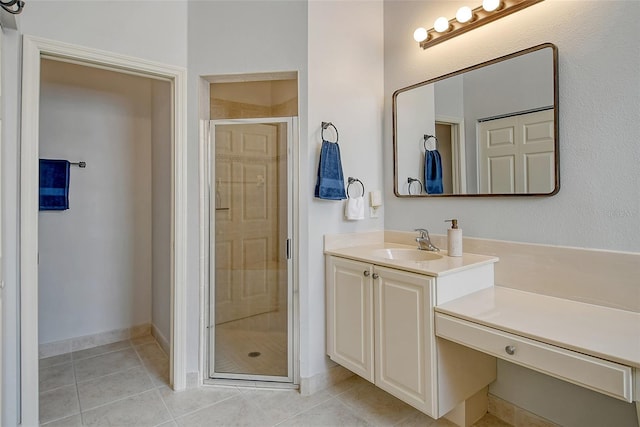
454, 239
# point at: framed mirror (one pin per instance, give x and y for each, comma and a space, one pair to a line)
486, 130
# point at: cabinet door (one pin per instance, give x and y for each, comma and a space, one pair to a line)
404, 337
350, 315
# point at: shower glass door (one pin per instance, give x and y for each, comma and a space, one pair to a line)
250, 307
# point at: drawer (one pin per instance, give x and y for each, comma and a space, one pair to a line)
596, 374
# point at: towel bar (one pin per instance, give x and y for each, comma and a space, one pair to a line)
79, 164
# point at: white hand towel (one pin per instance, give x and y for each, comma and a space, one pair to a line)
354, 208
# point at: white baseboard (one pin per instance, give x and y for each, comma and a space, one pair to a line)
162, 340
89, 341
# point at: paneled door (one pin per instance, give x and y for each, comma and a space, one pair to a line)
250, 296
246, 214
516, 154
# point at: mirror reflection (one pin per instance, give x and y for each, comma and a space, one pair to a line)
490, 129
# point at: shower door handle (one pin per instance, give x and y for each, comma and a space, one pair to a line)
288, 248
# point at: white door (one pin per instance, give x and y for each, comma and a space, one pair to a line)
517, 154
350, 315
246, 214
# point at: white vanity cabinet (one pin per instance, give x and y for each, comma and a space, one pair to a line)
380, 325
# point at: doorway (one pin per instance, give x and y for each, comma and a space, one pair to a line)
251, 286
451, 145
34, 51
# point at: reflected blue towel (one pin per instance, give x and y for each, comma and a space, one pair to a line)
330, 184
432, 172
54, 185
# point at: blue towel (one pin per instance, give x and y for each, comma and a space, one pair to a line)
54, 185
330, 183
432, 172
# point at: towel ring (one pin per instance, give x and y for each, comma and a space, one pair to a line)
351, 181
426, 138
326, 125
411, 181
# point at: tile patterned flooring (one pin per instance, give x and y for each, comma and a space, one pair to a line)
125, 384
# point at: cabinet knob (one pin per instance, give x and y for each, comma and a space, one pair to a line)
510, 349
366, 273
375, 275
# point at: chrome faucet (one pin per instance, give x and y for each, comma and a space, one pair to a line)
424, 242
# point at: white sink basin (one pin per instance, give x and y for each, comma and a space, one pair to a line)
401, 254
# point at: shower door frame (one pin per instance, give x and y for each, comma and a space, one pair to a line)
208, 252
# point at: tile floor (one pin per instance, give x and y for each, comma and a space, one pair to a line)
125, 384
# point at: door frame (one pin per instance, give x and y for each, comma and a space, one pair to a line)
34, 49
459, 166
207, 167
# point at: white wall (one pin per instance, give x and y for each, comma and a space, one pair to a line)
10, 158
95, 257
345, 88
161, 208
154, 30
598, 205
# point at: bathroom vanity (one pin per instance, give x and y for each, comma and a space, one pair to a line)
427, 328
380, 325
592, 346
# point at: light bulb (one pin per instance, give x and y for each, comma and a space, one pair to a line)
464, 14
420, 35
490, 5
441, 25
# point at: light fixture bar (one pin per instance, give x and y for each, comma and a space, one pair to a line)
479, 18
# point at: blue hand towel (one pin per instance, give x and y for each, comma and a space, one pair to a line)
54, 185
432, 172
330, 184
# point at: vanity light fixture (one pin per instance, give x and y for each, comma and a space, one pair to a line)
467, 19
12, 6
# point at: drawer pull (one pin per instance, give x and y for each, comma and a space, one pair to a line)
510, 349
375, 275
366, 273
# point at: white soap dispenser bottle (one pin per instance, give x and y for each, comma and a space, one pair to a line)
454, 239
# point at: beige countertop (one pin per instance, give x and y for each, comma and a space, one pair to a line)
603, 332
438, 267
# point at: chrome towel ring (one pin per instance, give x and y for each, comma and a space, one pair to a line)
411, 181
351, 181
326, 125
426, 138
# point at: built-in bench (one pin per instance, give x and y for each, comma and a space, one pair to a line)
593, 346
